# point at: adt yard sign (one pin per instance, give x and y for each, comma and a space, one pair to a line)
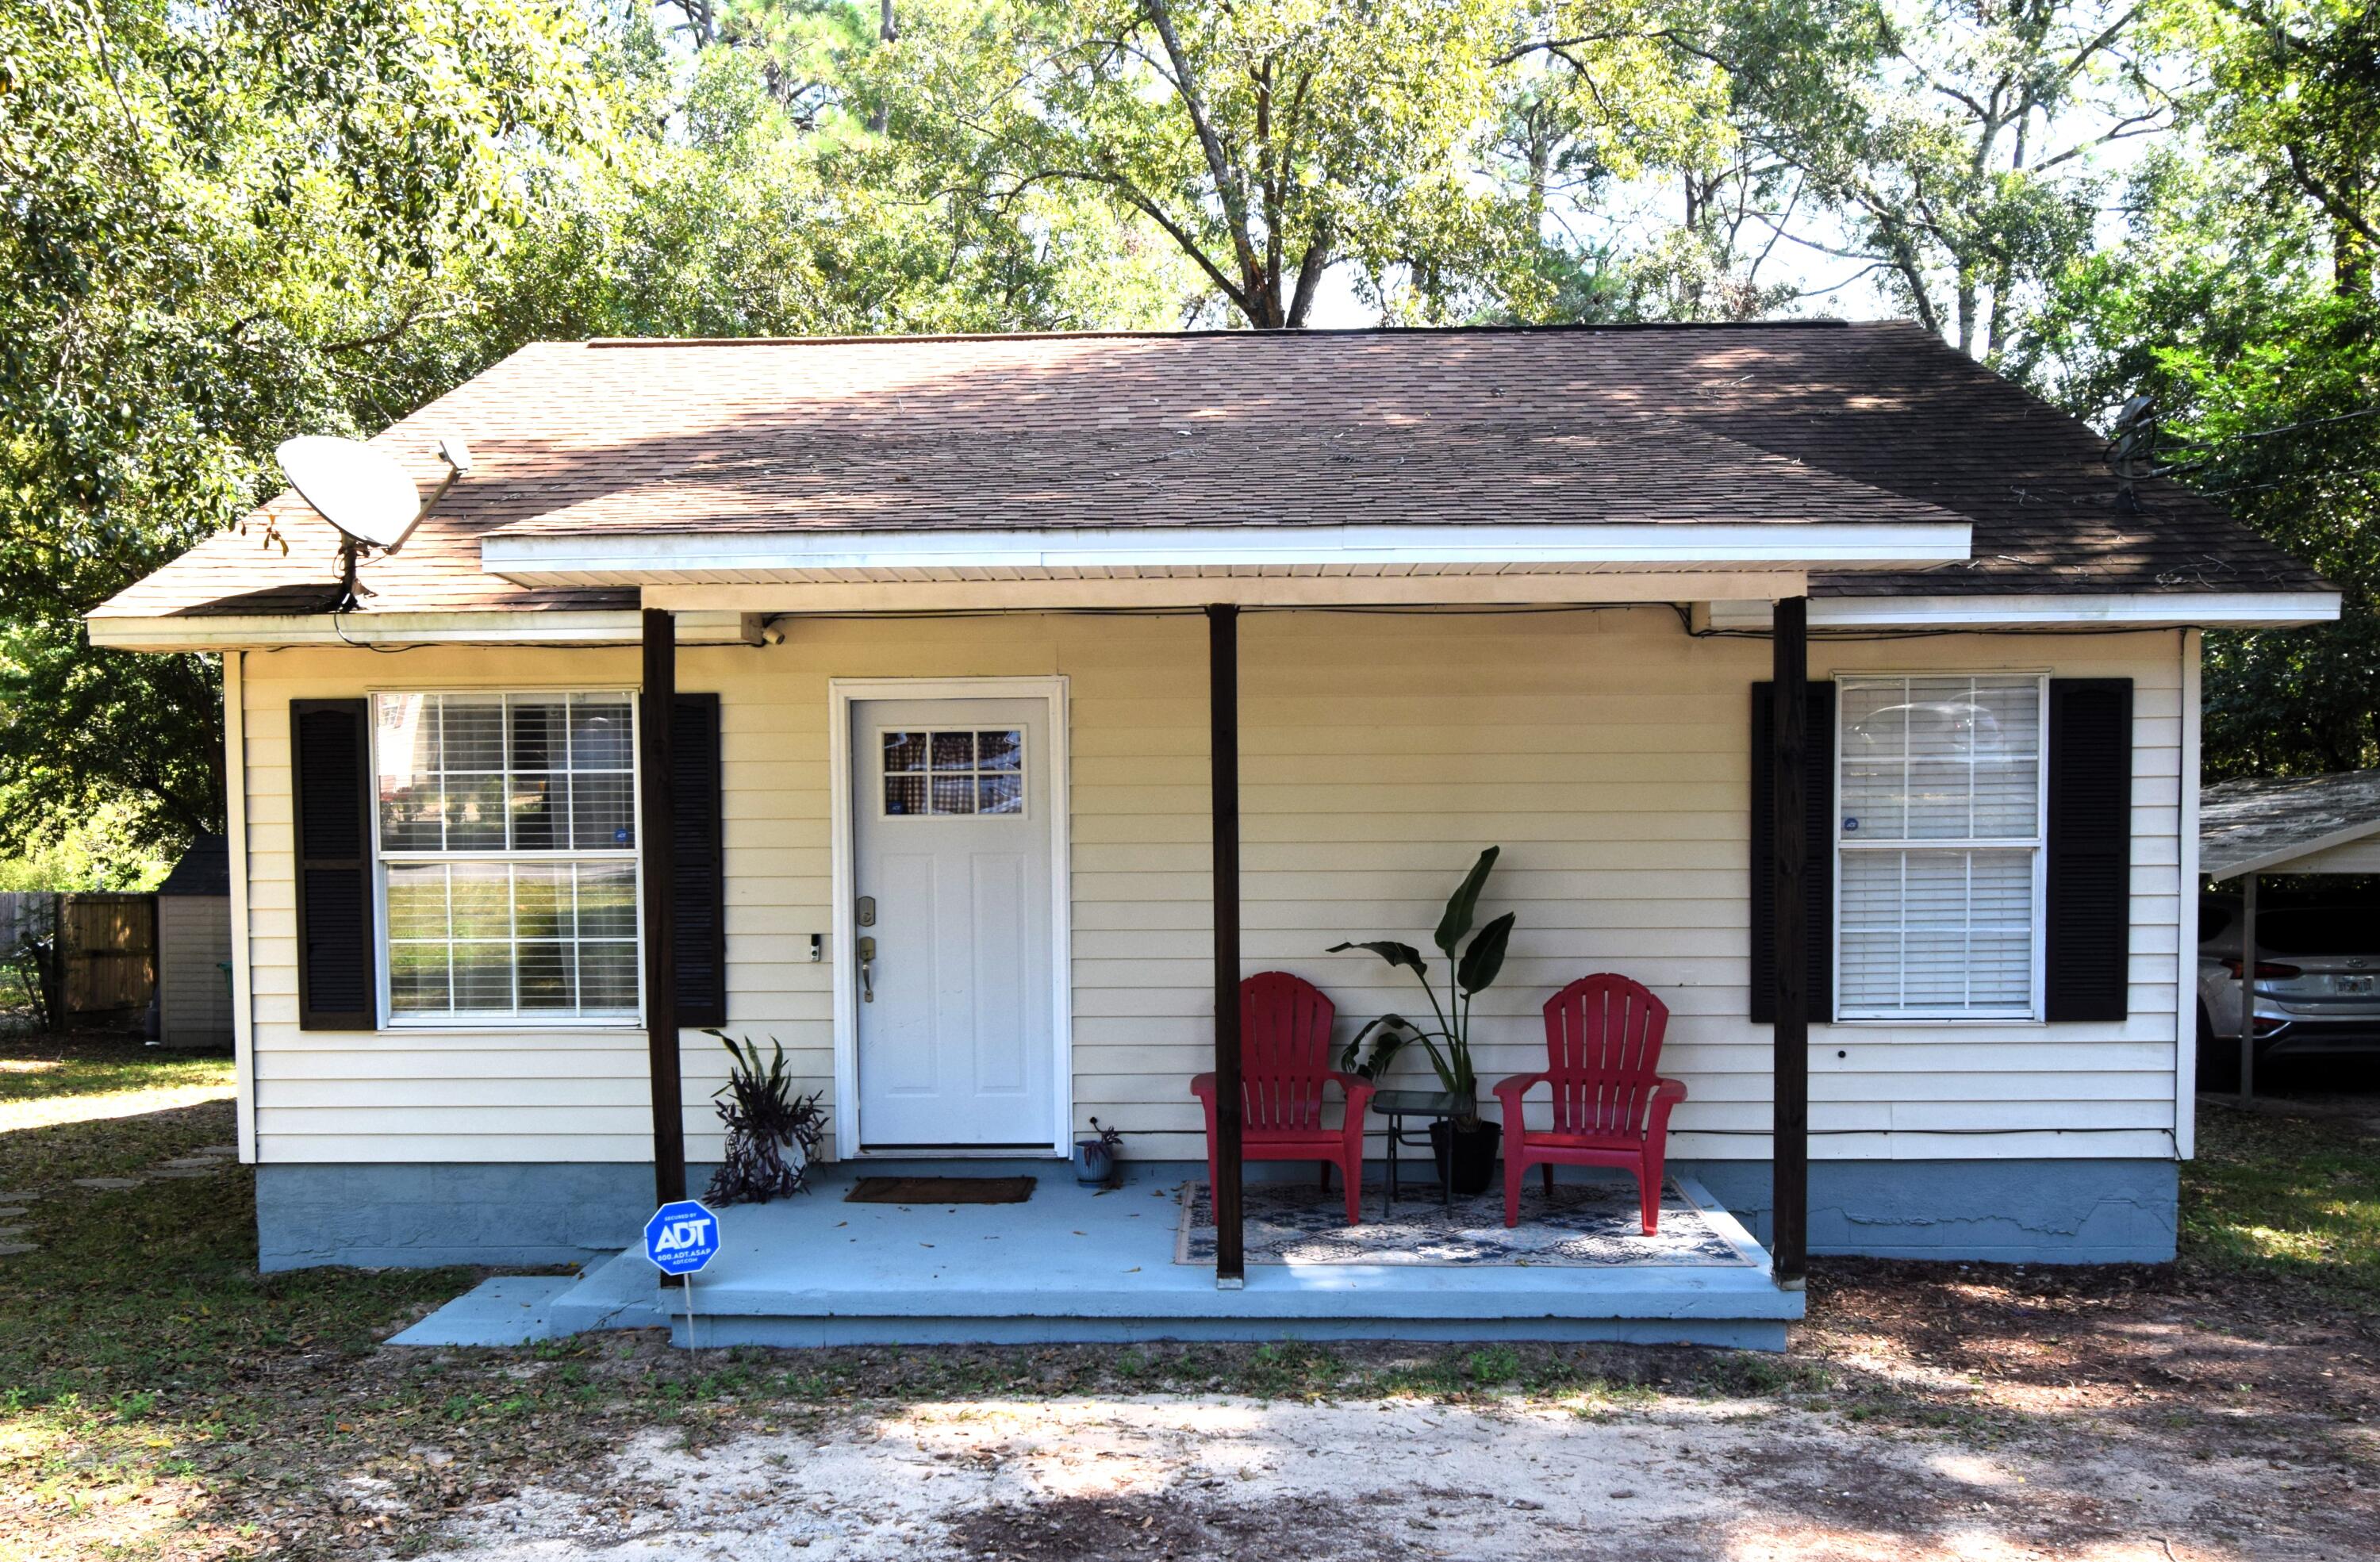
681, 1237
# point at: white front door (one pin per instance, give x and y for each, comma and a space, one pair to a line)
950, 858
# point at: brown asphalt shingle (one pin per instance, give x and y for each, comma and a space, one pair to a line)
1783, 422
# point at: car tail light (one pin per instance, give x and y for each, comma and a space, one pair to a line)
2266, 970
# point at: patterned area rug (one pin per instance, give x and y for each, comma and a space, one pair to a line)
1582, 1225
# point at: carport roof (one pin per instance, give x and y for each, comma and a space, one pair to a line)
2260, 824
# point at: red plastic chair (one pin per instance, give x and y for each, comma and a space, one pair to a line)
1611, 1107
1285, 1058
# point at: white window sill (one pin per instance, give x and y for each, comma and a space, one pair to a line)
460, 1026
1867, 1022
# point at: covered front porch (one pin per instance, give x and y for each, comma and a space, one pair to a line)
1109, 1264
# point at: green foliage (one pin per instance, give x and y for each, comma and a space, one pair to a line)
1270, 141
2240, 301
227, 224
217, 220
1471, 971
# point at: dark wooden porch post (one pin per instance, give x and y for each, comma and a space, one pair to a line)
656, 816
1787, 760
1223, 719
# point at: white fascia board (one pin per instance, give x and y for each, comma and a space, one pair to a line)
1158, 592
2142, 610
497, 626
672, 558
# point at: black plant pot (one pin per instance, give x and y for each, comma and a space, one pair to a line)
1472, 1151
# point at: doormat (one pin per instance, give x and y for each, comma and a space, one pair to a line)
1582, 1226
939, 1189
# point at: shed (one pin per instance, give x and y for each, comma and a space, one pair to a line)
2258, 826
194, 947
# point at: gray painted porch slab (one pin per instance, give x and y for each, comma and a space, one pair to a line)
1076, 1264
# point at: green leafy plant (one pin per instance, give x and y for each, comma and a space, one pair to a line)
29, 977
764, 1120
1470, 973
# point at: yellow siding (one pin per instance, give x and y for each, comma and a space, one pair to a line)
1604, 750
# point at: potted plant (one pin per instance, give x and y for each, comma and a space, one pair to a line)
765, 1121
1465, 1144
1096, 1152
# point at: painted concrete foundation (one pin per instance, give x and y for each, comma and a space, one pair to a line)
1988, 1211
499, 1214
424, 1217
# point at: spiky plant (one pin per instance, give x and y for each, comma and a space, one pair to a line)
764, 1120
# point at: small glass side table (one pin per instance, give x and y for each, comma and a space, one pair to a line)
1439, 1105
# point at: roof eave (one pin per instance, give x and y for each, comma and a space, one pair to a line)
623, 558
2053, 610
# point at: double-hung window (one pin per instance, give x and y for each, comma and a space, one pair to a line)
507, 850
1939, 838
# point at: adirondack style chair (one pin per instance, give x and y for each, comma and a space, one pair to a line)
1611, 1107
1284, 1059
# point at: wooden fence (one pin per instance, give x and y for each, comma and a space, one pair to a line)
103, 960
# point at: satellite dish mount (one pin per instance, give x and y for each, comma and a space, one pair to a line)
362, 491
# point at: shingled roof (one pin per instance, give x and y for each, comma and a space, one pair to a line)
1785, 422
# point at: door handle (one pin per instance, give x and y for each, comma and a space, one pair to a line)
866, 969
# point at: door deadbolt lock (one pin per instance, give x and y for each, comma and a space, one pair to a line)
867, 914
866, 969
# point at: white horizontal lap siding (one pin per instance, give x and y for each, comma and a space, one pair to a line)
1605, 752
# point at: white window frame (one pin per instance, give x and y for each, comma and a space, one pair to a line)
2031, 1014
485, 1020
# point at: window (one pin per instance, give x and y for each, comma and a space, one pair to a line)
508, 853
948, 774
1939, 835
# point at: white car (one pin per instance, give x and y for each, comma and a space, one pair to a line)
2317, 984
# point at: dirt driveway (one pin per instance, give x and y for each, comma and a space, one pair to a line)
1219, 1477
1925, 1413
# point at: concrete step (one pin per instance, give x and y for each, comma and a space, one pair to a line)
620, 1292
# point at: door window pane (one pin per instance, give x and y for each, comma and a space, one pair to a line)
951, 774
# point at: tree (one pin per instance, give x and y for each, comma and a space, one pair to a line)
2239, 303
1268, 141
2295, 86
217, 219
1959, 163
227, 224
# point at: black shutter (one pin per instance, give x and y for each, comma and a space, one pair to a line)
699, 910
1819, 876
329, 751
2087, 924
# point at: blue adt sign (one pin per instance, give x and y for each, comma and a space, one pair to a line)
681, 1237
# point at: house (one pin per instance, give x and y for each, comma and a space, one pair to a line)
1808, 673
194, 948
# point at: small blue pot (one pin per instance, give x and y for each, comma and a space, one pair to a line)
1093, 1162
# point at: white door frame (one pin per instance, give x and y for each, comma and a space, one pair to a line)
841, 694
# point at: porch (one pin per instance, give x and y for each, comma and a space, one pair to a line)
1079, 1263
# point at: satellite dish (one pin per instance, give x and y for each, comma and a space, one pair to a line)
358, 489
363, 492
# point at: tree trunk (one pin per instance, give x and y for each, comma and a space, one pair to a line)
888, 31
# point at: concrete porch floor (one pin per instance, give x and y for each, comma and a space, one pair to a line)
1084, 1264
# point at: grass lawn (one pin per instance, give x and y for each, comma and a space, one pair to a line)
45, 1082
159, 1399
2285, 1197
